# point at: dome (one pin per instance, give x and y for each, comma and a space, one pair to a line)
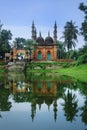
40, 40
48, 41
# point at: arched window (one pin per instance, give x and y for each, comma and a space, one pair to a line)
48, 85
48, 55
39, 55
39, 85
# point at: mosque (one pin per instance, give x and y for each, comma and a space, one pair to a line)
46, 49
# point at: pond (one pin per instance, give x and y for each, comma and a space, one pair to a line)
42, 101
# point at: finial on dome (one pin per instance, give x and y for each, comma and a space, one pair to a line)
48, 33
39, 34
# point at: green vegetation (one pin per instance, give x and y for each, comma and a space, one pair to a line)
70, 35
2, 70
43, 66
83, 8
5, 37
78, 72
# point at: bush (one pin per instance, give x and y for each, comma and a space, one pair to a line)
82, 59
65, 65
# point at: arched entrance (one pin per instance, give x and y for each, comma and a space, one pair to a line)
48, 55
39, 55
20, 56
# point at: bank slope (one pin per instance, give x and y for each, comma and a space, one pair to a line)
78, 72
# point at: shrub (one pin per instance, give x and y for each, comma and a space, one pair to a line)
82, 59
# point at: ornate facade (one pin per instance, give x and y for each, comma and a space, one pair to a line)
46, 48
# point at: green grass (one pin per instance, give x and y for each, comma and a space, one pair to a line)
78, 72
2, 70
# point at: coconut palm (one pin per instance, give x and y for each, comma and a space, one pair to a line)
70, 35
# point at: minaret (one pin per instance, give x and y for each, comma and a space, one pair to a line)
33, 31
55, 32
35, 34
55, 109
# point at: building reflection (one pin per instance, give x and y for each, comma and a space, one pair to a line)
19, 87
39, 92
36, 92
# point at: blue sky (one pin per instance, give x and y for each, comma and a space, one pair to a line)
17, 15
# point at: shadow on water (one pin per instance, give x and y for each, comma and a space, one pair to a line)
60, 94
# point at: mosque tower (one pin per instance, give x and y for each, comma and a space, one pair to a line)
34, 33
55, 32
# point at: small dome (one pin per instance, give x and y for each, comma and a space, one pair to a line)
48, 41
40, 40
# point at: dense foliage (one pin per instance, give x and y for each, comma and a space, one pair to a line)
5, 37
83, 7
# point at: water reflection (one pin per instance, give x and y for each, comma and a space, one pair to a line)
56, 92
84, 112
70, 106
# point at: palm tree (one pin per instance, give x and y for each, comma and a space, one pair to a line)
70, 106
84, 112
70, 35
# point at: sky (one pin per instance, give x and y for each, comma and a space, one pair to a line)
17, 16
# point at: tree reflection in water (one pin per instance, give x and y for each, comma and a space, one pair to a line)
70, 106
84, 112
45, 89
5, 104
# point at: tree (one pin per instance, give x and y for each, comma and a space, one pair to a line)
70, 106
19, 42
84, 112
74, 54
5, 37
30, 46
83, 8
70, 35
60, 50
82, 55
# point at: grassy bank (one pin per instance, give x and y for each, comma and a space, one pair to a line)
78, 72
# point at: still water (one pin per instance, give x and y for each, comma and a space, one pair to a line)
42, 102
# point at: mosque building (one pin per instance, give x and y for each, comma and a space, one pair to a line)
45, 50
